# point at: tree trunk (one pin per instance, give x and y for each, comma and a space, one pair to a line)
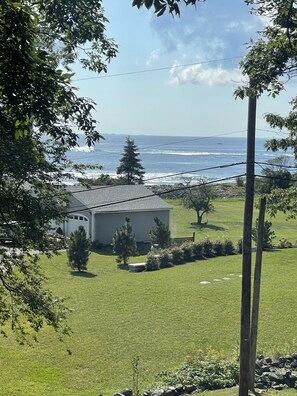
199, 218
256, 293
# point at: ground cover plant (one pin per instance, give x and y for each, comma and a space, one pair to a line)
159, 316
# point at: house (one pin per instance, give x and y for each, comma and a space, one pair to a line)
101, 210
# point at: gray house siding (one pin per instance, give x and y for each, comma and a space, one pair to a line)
101, 210
142, 222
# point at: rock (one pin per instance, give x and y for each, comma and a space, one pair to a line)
260, 385
179, 388
284, 359
190, 388
170, 391
127, 392
279, 387
293, 364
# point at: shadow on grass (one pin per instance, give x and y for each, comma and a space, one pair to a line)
83, 274
207, 227
124, 267
142, 248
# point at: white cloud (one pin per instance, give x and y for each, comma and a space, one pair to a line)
198, 75
153, 57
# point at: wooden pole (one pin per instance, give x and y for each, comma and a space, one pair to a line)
256, 292
247, 252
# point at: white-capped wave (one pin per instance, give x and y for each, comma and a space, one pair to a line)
83, 149
195, 153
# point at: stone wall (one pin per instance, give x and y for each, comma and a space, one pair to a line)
271, 373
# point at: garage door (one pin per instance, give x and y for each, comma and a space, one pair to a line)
74, 221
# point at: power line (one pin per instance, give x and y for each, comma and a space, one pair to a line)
183, 141
161, 193
193, 139
157, 69
166, 176
276, 165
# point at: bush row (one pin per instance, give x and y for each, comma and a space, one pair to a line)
187, 252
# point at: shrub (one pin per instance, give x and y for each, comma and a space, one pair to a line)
239, 246
177, 255
160, 234
79, 249
284, 243
123, 242
152, 262
205, 369
229, 247
187, 248
239, 181
207, 248
268, 234
164, 259
218, 248
97, 245
198, 250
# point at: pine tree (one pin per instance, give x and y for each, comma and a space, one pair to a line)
123, 242
130, 165
79, 249
160, 234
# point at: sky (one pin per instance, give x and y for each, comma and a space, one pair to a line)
192, 94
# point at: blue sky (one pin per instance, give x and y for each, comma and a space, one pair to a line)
194, 100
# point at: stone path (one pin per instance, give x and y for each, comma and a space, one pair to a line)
226, 278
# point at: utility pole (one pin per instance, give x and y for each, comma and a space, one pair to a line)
247, 252
256, 293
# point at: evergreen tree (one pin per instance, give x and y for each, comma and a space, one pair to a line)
160, 234
130, 165
268, 234
79, 249
123, 242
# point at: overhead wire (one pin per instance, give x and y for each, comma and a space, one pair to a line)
160, 193
167, 176
156, 69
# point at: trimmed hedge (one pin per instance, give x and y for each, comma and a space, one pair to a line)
187, 252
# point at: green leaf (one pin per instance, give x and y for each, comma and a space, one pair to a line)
148, 3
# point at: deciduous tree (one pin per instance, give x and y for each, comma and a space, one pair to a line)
40, 117
199, 198
276, 175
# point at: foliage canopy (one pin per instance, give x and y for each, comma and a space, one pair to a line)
199, 198
123, 242
130, 165
79, 249
40, 113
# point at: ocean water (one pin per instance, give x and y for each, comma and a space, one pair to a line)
172, 159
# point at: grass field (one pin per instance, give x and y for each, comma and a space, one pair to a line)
159, 316
225, 222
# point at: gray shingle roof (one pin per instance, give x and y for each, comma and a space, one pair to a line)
120, 198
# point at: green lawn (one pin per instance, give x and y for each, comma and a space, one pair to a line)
225, 222
158, 316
